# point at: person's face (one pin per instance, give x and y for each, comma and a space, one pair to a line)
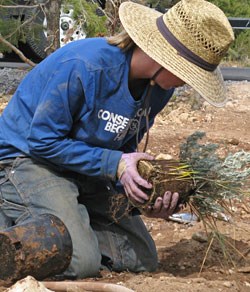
167, 80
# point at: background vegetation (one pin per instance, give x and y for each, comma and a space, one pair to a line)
240, 50
99, 21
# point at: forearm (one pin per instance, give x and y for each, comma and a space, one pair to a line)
77, 156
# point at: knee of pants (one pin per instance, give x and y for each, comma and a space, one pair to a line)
5, 221
147, 261
86, 257
152, 264
84, 264
124, 250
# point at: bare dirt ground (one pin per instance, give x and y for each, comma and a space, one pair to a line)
181, 251
188, 260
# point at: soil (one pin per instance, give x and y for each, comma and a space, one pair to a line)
189, 259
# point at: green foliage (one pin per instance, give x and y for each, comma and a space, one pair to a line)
240, 49
14, 29
235, 167
201, 157
10, 27
161, 5
85, 13
217, 180
234, 8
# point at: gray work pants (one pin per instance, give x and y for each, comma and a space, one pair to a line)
29, 188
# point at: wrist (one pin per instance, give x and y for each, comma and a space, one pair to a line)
121, 168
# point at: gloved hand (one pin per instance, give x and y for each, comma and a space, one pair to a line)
129, 177
164, 206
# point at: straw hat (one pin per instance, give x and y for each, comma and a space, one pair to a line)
189, 40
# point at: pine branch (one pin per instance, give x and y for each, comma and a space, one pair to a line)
18, 52
24, 6
23, 24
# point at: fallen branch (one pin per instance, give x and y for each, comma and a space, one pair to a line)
18, 52
85, 286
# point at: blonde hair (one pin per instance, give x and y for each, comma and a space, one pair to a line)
122, 40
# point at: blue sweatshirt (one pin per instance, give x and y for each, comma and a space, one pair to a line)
74, 110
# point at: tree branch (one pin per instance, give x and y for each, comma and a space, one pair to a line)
85, 286
27, 21
24, 6
18, 52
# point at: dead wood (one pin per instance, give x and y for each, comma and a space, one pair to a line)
85, 286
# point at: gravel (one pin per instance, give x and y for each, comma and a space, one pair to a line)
10, 79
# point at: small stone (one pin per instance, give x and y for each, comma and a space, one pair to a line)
228, 284
244, 269
184, 117
234, 141
208, 118
193, 119
245, 216
28, 284
200, 236
163, 156
200, 280
247, 284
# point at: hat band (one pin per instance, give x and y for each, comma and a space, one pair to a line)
181, 49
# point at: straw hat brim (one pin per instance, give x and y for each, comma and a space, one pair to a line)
140, 23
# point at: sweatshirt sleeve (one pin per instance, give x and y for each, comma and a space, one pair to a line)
49, 136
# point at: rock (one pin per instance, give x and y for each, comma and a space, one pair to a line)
28, 284
234, 141
163, 156
200, 236
228, 284
244, 270
10, 79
